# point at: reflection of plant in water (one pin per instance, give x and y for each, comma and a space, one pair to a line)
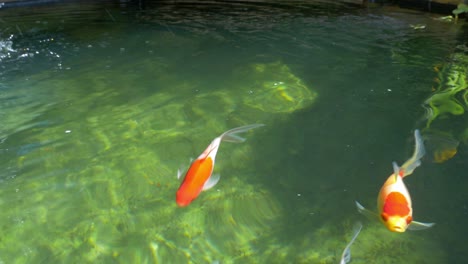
448, 101
452, 84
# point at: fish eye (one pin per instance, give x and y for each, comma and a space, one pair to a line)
409, 219
384, 216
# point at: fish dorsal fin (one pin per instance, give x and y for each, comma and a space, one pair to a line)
211, 182
396, 170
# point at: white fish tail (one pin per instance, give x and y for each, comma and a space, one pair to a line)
346, 256
230, 135
419, 151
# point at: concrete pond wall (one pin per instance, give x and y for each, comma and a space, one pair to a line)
434, 6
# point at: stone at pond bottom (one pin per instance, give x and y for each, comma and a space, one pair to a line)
274, 88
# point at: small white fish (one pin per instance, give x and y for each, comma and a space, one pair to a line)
346, 256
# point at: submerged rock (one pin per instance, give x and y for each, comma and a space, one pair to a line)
273, 88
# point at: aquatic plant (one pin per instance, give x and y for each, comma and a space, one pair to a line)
461, 8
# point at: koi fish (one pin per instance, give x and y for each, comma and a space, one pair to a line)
346, 256
394, 201
199, 176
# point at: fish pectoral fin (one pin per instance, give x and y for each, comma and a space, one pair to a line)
415, 225
183, 168
212, 181
364, 211
180, 171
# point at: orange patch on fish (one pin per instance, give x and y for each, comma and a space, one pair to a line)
396, 204
193, 183
201, 167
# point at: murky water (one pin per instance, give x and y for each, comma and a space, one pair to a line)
101, 104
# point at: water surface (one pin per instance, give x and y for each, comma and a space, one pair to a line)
102, 103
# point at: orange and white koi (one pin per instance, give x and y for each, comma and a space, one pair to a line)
394, 201
199, 176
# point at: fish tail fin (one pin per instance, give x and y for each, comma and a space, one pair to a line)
346, 256
396, 170
415, 160
231, 135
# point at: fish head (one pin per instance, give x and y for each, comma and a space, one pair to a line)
395, 210
396, 223
183, 198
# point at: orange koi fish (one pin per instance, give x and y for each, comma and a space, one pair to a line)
199, 176
394, 201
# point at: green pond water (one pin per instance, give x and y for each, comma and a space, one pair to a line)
102, 103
